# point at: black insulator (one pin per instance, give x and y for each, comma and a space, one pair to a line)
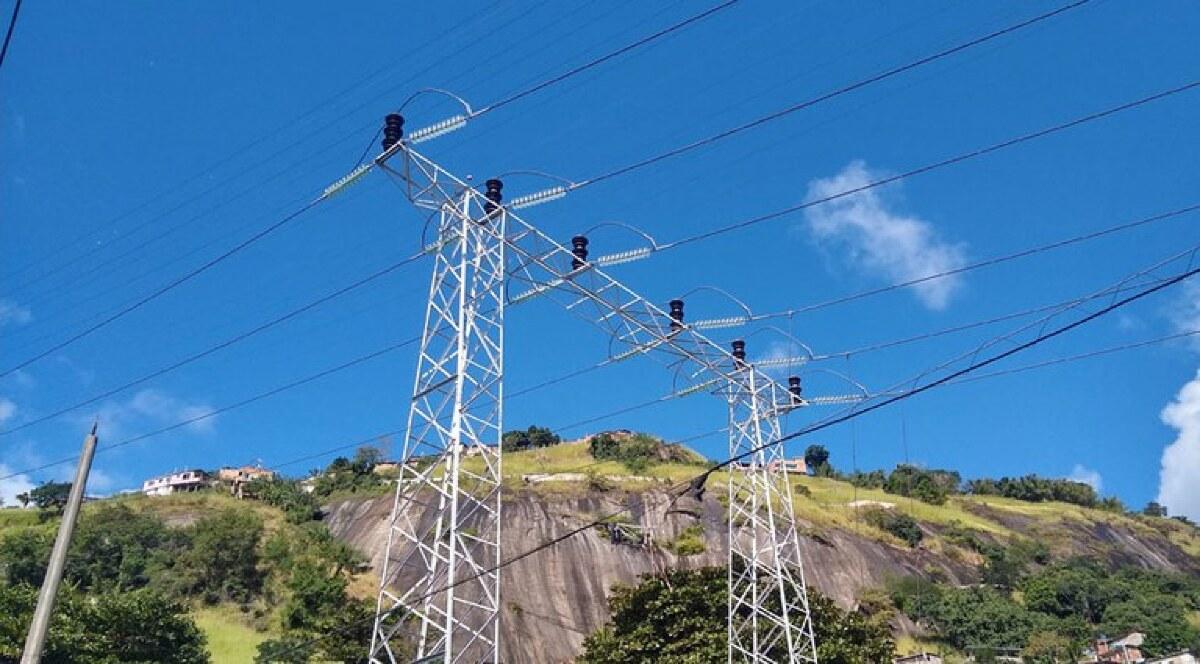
493, 196
739, 351
579, 246
393, 129
676, 314
794, 387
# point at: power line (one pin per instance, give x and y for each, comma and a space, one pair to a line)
830, 95
605, 58
966, 156
167, 287
662, 33
378, 274
1046, 336
265, 136
237, 404
12, 24
988, 262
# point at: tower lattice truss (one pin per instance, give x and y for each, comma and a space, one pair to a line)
440, 585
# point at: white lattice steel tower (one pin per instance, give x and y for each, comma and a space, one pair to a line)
440, 580
443, 548
769, 618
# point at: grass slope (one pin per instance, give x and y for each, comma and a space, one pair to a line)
229, 638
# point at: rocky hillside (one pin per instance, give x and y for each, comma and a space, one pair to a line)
555, 598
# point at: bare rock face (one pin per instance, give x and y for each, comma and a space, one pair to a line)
555, 598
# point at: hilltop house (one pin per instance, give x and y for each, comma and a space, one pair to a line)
177, 482
795, 466
238, 478
1124, 650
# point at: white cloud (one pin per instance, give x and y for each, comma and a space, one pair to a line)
880, 241
1178, 486
10, 487
1087, 476
148, 408
12, 313
1185, 315
7, 410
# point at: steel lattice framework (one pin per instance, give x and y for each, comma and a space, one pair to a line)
446, 516
452, 563
769, 618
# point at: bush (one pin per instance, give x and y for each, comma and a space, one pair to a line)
636, 451
927, 486
901, 525
1036, 489
531, 438
690, 542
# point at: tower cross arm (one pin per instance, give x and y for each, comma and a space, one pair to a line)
543, 267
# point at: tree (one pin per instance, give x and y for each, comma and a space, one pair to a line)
816, 457
1154, 509
531, 438
51, 497
365, 458
136, 628
680, 617
116, 549
1049, 647
222, 562
24, 554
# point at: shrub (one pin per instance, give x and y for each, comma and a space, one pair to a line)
531, 438
636, 451
901, 525
690, 542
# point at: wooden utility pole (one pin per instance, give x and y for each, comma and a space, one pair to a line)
36, 640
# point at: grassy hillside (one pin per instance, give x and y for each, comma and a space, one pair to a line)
831, 503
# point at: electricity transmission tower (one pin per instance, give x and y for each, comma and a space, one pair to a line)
443, 544
445, 530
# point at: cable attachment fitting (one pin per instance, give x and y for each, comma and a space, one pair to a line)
493, 197
676, 315
393, 130
579, 250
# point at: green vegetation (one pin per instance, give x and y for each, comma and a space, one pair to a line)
352, 476
637, 451
816, 458
228, 636
241, 567
140, 627
1036, 489
1059, 607
679, 618
531, 438
899, 524
690, 542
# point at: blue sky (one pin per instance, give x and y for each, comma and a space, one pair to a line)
109, 111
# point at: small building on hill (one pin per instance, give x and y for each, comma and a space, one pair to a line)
238, 478
178, 482
1126, 649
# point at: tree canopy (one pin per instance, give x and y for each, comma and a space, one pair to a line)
680, 617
